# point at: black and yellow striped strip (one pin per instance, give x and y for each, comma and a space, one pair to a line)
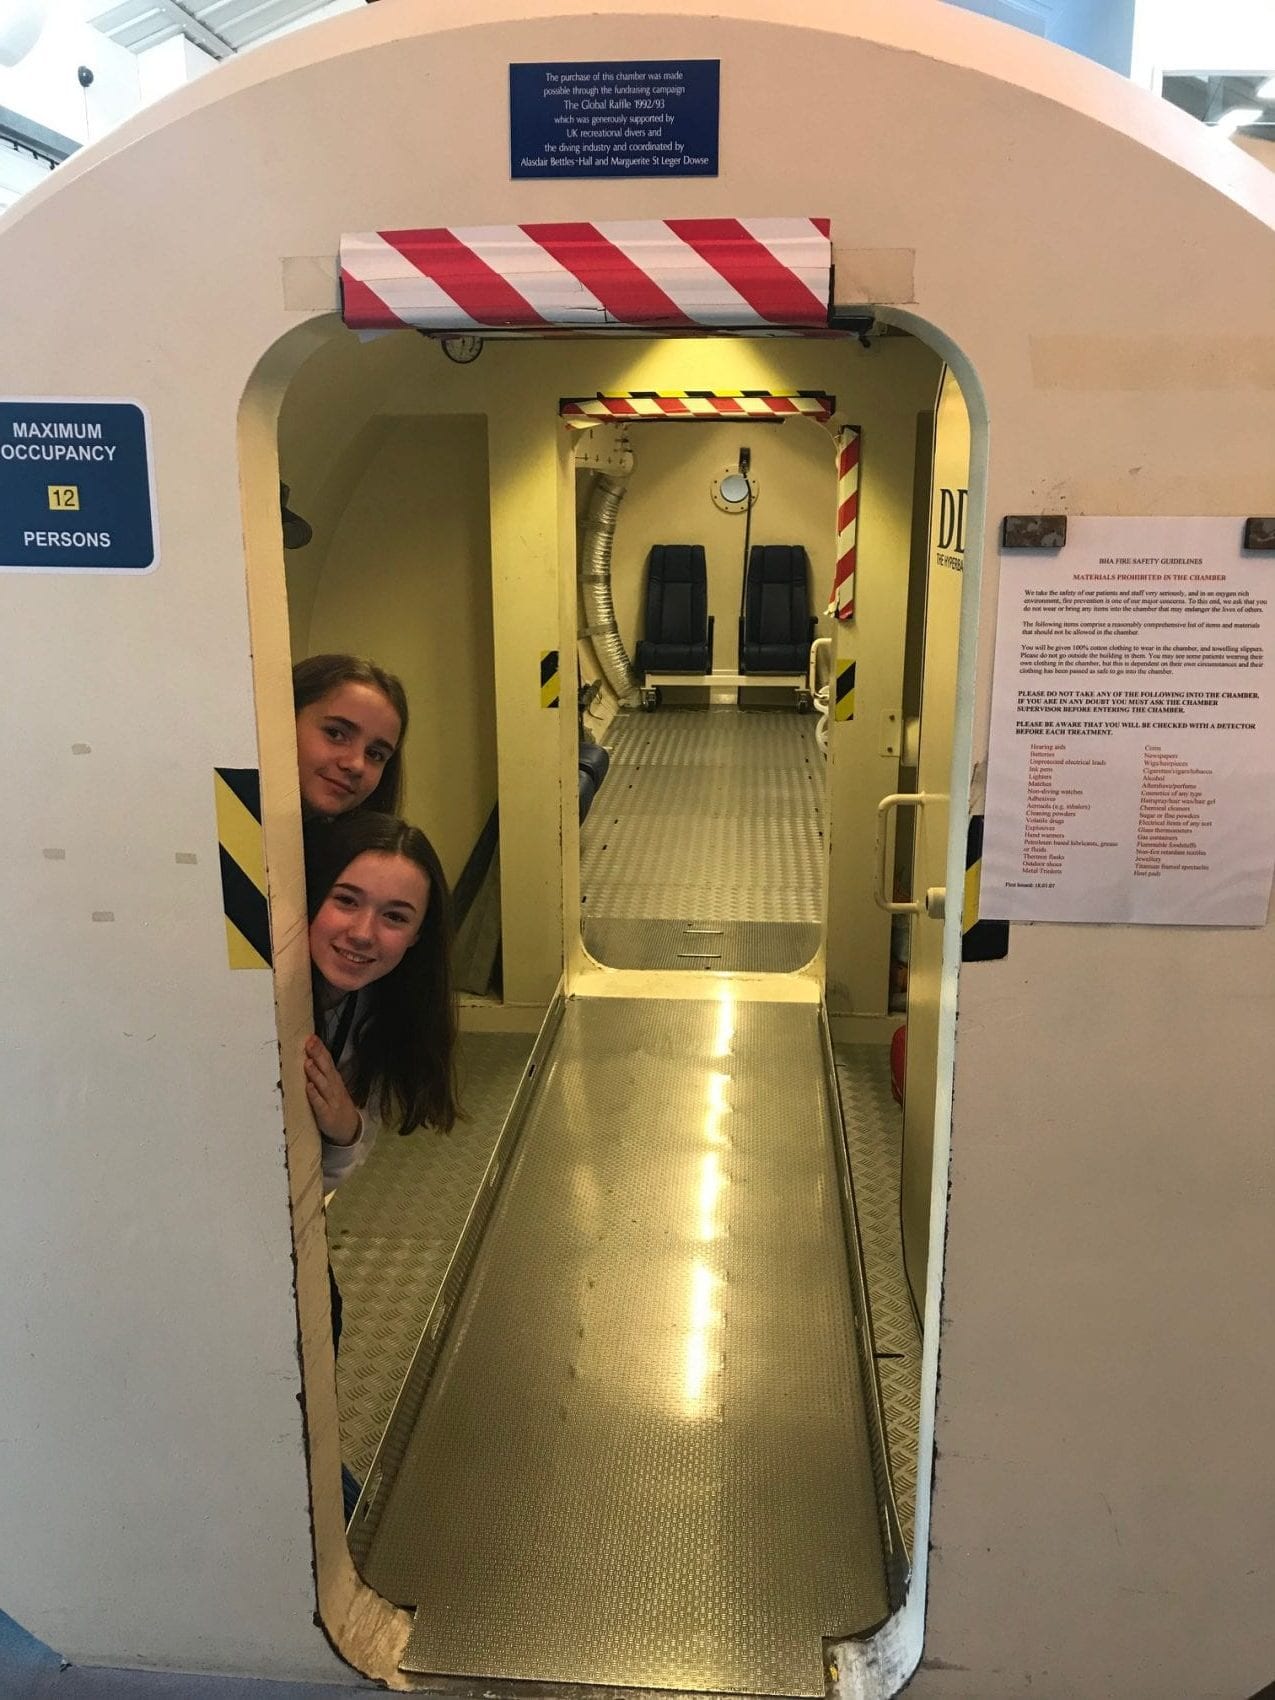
844, 709
550, 682
981, 941
243, 866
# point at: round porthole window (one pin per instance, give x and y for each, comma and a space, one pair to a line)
734, 490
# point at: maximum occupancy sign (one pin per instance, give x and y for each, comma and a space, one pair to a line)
76, 490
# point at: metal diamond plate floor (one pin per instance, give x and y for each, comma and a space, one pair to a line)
708, 817
874, 1133
644, 1459
392, 1228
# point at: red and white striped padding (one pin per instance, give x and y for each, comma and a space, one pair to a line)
842, 600
771, 405
681, 274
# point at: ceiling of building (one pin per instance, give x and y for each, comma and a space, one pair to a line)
223, 27
1035, 16
1210, 96
220, 27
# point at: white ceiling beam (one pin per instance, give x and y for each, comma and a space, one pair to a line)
194, 28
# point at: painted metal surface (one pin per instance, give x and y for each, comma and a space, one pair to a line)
945, 583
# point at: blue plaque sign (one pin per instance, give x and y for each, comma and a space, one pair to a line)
630, 118
76, 492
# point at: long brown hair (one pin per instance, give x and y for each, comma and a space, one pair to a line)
405, 1045
314, 677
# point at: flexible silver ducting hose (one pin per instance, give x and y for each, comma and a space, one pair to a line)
595, 588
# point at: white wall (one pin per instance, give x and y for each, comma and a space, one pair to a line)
168, 66
1100, 29
44, 86
1030, 15
1185, 35
18, 173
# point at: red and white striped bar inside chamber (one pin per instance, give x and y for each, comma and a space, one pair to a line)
771, 406
680, 275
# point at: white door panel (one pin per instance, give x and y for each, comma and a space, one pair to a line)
949, 500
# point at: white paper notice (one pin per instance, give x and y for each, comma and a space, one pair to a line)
1131, 773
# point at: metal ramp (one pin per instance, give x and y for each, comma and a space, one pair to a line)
704, 848
642, 1444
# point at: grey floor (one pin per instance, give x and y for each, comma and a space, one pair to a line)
31, 1671
644, 1460
704, 846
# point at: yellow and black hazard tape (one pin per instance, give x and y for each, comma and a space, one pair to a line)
243, 866
550, 679
981, 941
843, 708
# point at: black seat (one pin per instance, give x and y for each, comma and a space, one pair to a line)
777, 627
679, 630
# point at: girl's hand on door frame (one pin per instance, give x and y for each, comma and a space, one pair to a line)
334, 1110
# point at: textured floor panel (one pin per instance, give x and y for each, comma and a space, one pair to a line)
707, 815
874, 1130
392, 1228
644, 1459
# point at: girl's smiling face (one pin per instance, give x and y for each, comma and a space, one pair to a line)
343, 743
369, 920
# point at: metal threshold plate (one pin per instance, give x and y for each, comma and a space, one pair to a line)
644, 1460
736, 947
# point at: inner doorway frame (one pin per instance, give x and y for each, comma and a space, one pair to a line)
818, 409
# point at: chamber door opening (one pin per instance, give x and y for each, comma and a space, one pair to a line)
705, 554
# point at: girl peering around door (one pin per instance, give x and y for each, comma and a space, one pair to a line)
351, 722
380, 949
384, 1008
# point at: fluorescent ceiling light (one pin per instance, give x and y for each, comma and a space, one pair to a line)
1266, 91
1237, 117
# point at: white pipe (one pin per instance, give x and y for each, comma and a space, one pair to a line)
821, 646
